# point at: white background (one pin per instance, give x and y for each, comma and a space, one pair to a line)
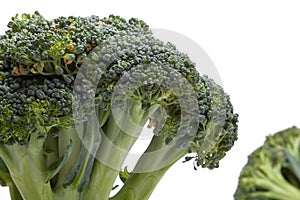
254, 44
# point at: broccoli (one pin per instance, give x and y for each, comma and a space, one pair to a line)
273, 170
75, 93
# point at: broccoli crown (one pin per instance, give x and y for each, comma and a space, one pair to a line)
40, 59
273, 170
34, 45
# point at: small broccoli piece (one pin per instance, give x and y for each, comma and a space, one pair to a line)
273, 170
55, 74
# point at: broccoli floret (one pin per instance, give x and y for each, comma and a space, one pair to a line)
75, 93
26, 101
34, 45
273, 170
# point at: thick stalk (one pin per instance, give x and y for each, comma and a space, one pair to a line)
14, 192
101, 183
120, 135
140, 186
149, 170
81, 160
65, 135
66, 193
27, 168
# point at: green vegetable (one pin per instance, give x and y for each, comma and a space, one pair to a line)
75, 93
273, 170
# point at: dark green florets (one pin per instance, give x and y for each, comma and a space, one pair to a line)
27, 101
217, 129
155, 73
40, 60
34, 45
273, 170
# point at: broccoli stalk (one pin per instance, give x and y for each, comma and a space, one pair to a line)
105, 175
65, 136
273, 170
21, 161
75, 94
141, 185
5, 180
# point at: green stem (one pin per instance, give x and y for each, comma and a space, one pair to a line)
278, 182
27, 168
5, 179
115, 145
65, 135
275, 191
66, 193
139, 186
77, 171
101, 183
149, 170
14, 192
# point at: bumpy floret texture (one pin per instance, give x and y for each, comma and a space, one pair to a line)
34, 45
40, 59
68, 85
26, 101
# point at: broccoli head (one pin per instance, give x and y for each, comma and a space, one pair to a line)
75, 93
273, 170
